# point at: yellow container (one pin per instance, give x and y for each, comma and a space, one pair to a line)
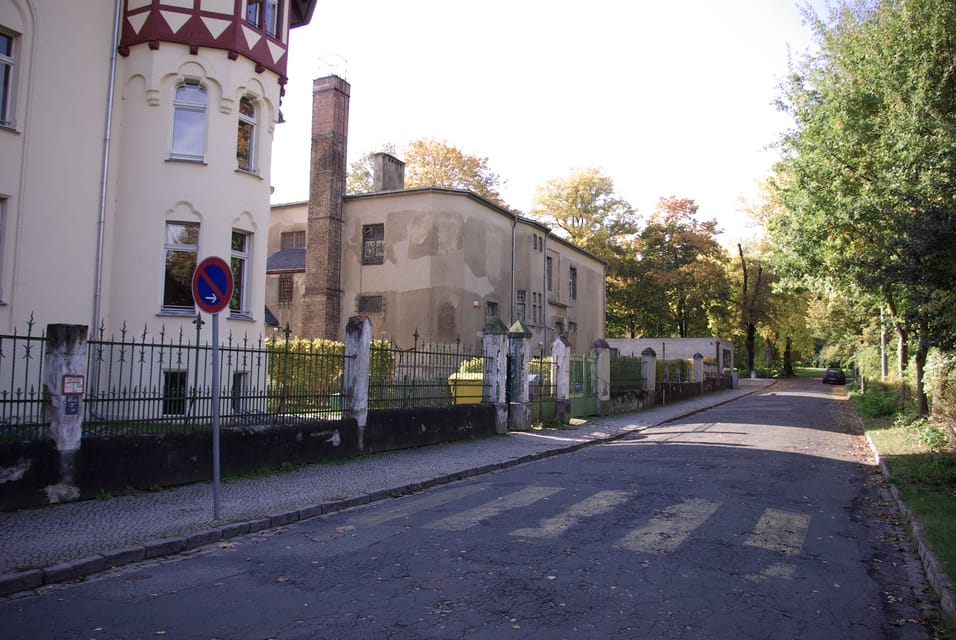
465, 387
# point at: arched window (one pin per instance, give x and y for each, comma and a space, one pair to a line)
189, 122
246, 141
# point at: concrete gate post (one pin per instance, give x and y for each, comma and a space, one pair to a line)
519, 354
561, 356
699, 371
494, 345
358, 346
649, 374
64, 383
601, 375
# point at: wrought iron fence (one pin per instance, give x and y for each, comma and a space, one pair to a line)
424, 375
157, 384
21, 385
626, 374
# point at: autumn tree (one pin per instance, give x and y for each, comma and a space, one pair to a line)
679, 284
585, 209
433, 163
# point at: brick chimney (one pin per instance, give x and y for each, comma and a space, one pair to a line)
322, 300
388, 172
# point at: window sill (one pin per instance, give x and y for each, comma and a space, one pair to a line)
199, 161
177, 313
244, 317
252, 174
9, 128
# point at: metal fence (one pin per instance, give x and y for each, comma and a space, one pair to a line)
21, 385
626, 374
158, 384
424, 375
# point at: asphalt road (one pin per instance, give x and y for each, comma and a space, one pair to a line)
761, 518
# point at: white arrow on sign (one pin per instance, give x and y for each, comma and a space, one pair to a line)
212, 298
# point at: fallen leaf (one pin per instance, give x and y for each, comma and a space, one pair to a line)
282, 579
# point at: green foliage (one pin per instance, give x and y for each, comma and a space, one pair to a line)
880, 400
923, 431
675, 370
474, 365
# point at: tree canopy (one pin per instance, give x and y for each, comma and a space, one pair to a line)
867, 176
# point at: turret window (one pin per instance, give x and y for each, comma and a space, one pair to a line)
264, 14
246, 140
189, 122
6, 79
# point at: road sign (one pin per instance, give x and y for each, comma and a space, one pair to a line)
212, 285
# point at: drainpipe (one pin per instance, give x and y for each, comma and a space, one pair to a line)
514, 231
544, 288
101, 224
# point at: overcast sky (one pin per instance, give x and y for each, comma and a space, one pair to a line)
667, 97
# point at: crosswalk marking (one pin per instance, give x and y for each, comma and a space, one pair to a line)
381, 516
600, 502
668, 530
520, 498
780, 531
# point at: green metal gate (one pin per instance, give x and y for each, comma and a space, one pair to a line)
583, 398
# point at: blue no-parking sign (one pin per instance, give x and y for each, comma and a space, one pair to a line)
212, 285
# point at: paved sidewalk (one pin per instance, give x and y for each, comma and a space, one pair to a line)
56, 543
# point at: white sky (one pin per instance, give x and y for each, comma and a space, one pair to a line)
667, 97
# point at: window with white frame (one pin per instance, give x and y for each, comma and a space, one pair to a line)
573, 283
240, 272
520, 296
6, 78
189, 122
246, 139
182, 249
264, 14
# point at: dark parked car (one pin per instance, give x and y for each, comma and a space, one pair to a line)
834, 375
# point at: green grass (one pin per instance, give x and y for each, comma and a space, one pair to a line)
921, 466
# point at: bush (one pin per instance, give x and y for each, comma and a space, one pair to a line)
880, 400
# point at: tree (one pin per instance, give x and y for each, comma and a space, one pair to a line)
431, 163
867, 176
678, 280
586, 210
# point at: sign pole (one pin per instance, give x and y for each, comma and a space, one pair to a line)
212, 288
216, 483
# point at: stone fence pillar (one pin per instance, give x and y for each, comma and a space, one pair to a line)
601, 375
64, 383
519, 364
561, 356
494, 345
698, 368
649, 374
358, 347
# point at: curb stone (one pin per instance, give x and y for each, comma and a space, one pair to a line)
935, 575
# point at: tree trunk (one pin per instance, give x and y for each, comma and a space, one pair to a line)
922, 348
787, 361
751, 343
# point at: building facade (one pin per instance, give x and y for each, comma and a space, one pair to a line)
432, 261
135, 140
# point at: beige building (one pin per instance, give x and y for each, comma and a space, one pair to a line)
441, 262
135, 140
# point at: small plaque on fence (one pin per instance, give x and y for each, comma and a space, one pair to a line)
72, 405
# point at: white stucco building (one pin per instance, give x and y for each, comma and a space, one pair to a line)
135, 140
